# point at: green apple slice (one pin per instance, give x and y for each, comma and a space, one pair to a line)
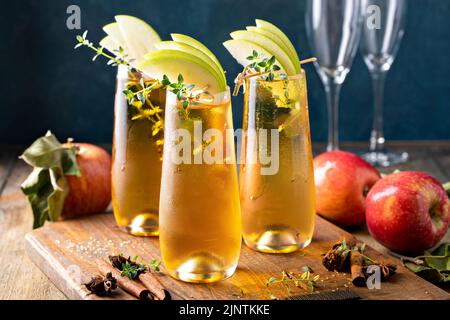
113, 31
269, 45
174, 45
241, 49
196, 44
276, 31
109, 44
173, 62
138, 35
277, 40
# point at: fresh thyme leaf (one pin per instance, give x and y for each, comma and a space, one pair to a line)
303, 281
154, 264
112, 61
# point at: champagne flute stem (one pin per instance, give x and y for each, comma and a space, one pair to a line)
377, 136
333, 92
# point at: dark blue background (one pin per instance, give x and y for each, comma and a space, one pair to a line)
48, 85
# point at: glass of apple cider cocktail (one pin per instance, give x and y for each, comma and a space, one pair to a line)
276, 173
137, 154
200, 221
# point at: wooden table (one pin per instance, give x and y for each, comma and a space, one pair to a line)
20, 279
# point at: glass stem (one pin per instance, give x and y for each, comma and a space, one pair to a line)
377, 136
333, 90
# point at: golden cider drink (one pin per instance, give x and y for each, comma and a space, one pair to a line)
200, 221
277, 199
137, 157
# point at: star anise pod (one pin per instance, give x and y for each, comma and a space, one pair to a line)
387, 270
102, 286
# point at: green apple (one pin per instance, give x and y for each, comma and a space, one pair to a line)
113, 32
196, 44
241, 49
139, 37
276, 31
179, 46
174, 62
269, 45
278, 41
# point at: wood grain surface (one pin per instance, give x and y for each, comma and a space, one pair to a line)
21, 279
66, 252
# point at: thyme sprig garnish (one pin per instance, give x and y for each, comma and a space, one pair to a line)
120, 58
304, 280
140, 98
263, 67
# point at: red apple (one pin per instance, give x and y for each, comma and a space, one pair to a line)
408, 212
342, 180
90, 193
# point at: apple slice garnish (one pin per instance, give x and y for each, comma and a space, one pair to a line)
108, 43
140, 38
179, 46
241, 49
275, 39
197, 44
269, 45
174, 62
282, 36
113, 32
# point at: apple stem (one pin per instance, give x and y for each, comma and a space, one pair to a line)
416, 260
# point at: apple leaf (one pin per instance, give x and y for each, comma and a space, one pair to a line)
427, 273
439, 259
436, 266
46, 187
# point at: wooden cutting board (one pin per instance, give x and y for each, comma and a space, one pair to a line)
65, 252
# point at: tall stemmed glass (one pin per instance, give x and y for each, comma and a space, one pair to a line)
381, 36
333, 28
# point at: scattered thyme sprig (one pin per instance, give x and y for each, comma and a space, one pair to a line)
303, 281
345, 249
114, 61
131, 268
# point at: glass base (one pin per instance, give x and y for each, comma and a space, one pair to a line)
385, 159
143, 225
277, 241
202, 268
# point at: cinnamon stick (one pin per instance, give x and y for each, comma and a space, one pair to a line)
336, 259
154, 286
357, 269
133, 287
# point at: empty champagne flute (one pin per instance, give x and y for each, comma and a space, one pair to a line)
333, 28
382, 33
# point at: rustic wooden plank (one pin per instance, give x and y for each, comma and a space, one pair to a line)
26, 282
20, 278
76, 244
